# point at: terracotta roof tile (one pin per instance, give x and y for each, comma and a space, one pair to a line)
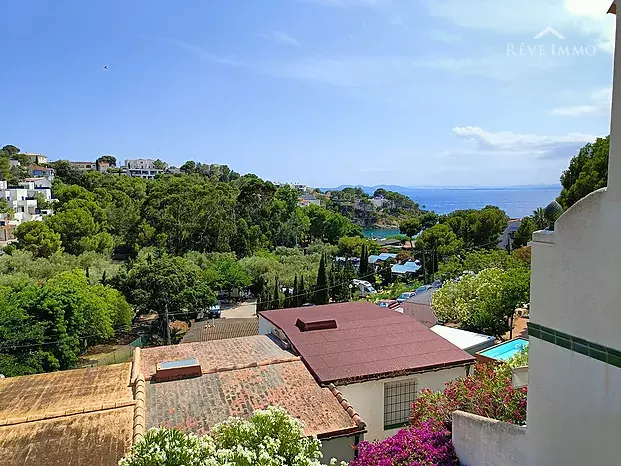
221, 329
197, 404
213, 354
369, 342
73, 418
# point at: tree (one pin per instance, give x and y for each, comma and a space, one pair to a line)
188, 167
438, 238
410, 227
276, 295
10, 150
483, 303
159, 165
587, 172
156, 282
295, 299
477, 228
269, 438
303, 295
322, 291
524, 232
364, 262
428, 219
539, 217
110, 159
38, 238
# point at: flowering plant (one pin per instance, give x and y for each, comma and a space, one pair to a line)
487, 392
268, 438
428, 444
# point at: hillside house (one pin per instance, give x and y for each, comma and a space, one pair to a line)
142, 168
83, 166
37, 171
379, 360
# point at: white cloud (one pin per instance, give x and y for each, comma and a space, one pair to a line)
510, 144
282, 37
599, 103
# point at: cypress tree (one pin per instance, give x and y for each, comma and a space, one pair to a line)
295, 300
302, 293
276, 298
364, 261
322, 291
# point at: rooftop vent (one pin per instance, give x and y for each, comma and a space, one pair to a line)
309, 326
175, 370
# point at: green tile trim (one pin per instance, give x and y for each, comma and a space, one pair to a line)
579, 345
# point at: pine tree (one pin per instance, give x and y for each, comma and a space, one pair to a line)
295, 300
364, 261
322, 290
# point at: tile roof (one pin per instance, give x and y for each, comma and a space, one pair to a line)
214, 355
73, 418
368, 342
221, 329
197, 404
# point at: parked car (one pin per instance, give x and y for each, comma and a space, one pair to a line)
421, 289
405, 296
437, 284
214, 312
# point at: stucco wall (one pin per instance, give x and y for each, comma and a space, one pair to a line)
367, 398
480, 441
574, 408
265, 326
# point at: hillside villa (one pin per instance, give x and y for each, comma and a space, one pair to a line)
378, 359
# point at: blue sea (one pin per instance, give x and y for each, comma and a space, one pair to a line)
516, 202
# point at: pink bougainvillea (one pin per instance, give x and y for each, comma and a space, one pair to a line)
428, 444
487, 392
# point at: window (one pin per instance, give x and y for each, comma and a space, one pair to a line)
398, 396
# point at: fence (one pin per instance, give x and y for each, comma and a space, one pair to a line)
122, 354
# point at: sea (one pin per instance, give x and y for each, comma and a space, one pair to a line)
517, 202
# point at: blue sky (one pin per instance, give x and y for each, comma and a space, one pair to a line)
327, 92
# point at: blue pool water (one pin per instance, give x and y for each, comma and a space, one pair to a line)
506, 350
181, 363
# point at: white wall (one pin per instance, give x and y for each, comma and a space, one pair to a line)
574, 401
265, 326
367, 398
574, 408
480, 441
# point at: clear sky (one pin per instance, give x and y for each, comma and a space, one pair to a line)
327, 92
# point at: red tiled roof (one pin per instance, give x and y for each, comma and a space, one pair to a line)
213, 355
197, 404
369, 342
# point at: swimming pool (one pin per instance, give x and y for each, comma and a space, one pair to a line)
505, 351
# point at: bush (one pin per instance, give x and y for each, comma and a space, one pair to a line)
428, 444
268, 438
488, 392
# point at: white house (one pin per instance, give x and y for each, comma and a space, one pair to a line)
142, 168
379, 360
574, 373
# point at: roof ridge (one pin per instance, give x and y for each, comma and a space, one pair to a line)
267, 362
66, 413
347, 407
140, 418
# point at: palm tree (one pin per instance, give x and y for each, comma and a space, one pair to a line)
539, 217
